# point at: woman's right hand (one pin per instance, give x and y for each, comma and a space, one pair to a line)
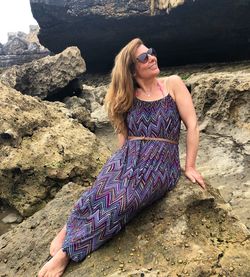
195, 177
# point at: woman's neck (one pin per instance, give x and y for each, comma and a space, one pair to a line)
148, 86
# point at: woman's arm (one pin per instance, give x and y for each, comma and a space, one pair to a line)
187, 112
121, 139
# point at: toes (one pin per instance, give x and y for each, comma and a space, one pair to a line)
52, 252
42, 273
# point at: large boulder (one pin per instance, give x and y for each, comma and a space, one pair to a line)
48, 76
190, 232
41, 149
183, 31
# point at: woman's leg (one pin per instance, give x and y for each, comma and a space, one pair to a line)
57, 242
56, 266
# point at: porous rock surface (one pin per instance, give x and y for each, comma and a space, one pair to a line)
47, 76
42, 148
222, 102
88, 107
190, 232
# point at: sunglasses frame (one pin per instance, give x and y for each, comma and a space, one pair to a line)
143, 57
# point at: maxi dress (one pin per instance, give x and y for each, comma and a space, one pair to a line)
136, 175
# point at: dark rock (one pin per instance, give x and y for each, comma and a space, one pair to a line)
196, 31
22, 48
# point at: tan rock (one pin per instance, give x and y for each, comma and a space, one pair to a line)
222, 102
169, 4
166, 239
42, 149
46, 76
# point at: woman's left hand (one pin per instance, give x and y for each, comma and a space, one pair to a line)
194, 176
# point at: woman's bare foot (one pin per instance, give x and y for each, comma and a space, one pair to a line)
57, 242
56, 266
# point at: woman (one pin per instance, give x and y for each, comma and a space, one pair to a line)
146, 113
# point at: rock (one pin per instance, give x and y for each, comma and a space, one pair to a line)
100, 117
222, 102
41, 149
101, 28
221, 97
153, 244
12, 218
78, 110
88, 107
93, 94
22, 48
48, 76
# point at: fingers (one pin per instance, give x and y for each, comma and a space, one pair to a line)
201, 183
196, 177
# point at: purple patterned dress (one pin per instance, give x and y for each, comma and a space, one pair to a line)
136, 175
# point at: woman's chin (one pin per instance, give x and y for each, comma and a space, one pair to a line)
156, 71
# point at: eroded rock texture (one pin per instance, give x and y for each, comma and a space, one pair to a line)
183, 32
49, 76
41, 149
189, 232
222, 102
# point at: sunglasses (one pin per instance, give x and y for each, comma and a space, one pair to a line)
143, 58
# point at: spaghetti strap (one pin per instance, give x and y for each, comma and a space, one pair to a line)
163, 91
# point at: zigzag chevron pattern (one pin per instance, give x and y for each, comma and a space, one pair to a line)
135, 176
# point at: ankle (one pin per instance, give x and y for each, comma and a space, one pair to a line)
62, 255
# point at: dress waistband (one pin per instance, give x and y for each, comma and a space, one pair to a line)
152, 138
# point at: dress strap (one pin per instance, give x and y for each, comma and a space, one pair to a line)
161, 89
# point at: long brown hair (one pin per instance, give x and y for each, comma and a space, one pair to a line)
120, 94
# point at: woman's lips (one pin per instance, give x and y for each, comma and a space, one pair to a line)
153, 65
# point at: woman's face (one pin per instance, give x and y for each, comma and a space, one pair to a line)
146, 66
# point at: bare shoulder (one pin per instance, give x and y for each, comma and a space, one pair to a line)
171, 83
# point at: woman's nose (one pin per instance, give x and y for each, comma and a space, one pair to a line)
151, 57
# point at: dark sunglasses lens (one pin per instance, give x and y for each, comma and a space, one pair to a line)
143, 58
152, 52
